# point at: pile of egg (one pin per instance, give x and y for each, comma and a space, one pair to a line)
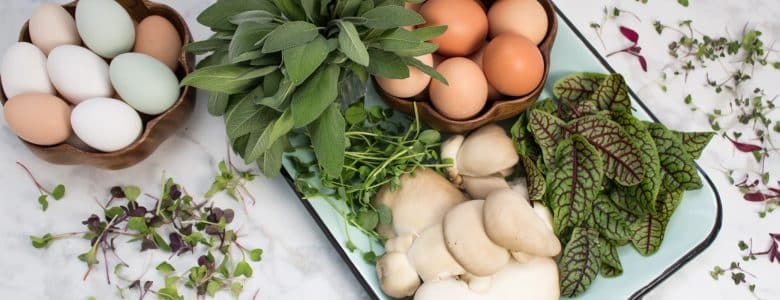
56, 87
486, 54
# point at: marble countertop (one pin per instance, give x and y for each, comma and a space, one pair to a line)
299, 263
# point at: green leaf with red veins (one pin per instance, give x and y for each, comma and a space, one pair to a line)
627, 206
580, 262
573, 182
609, 220
577, 87
646, 192
534, 179
647, 233
610, 261
667, 203
547, 131
679, 171
621, 156
612, 95
695, 142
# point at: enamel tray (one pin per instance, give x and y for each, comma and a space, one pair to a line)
693, 227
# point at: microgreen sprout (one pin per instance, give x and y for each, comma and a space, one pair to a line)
738, 273
57, 193
232, 181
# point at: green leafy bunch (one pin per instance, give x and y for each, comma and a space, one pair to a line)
608, 178
382, 146
279, 66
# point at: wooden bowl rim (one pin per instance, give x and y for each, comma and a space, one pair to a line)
149, 125
490, 113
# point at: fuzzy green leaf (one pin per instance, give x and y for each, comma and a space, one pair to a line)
574, 182
429, 33
610, 261
279, 99
351, 45
272, 159
621, 157
315, 95
300, 62
695, 142
399, 40
580, 262
645, 192
247, 38
419, 50
218, 103
679, 171
547, 131
291, 9
260, 142
414, 62
387, 64
577, 87
253, 16
206, 46
387, 17
217, 16
609, 221
612, 94
228, 79
327, 137
245, 117
289, 35
534, 179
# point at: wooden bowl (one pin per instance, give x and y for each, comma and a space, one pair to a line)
156, 128
494, 110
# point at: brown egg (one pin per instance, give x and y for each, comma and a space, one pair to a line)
467, 25
523, 17
513, 64
41, 119
410, 86
156, 37
493, 94
467, 92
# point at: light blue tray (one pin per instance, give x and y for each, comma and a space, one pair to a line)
692, 228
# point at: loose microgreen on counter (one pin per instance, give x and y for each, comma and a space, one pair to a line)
57, 193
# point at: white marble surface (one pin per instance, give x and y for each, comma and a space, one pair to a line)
299, 263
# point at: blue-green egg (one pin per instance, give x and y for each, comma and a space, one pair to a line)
145, 83
105, 27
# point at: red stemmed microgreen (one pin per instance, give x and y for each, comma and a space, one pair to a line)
634, 49
57, 193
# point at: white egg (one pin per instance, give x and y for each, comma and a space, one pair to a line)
78, 74
105, 26
106, 124
24, 71
52, 26
145, 83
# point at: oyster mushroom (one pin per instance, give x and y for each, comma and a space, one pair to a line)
467, 241
396, 275
449, 150
512, 223
480, 187
486, 151
430, 257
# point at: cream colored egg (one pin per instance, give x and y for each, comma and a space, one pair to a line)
52, 26
78, 74
410, 86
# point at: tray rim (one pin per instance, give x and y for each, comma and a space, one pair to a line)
639, 294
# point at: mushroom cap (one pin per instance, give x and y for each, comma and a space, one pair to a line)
544, 213
477, 283
480, 187
421, 202
397, 277
464, 233
399, 243
450, 149
520, 185
487, 151
512, 223
449, 289
430, 257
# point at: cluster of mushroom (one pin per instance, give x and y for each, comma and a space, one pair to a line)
488, 243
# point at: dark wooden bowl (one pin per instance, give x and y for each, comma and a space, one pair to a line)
495, 110
156, 128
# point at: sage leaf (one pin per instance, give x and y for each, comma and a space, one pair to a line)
245, 117
414, 62
350, 43
387, 64
345, 8
254, 16
645, 192
534, 179
301, 61
609, 221
218, 103
228, 79
247, 37
315, 95
278, 101
217, 16
251, 56
679, 171
580, 262
272, 159
268, 59
290, 35
328, 138
419, 50
256, 73
695, 142
364, 7
291, 9
398, 40
312, 9
621, 156
577, 87
429, 33
387, 17
219, 57
573, 182
260, 142
547, 131
610, 261
271, 82
206, 46
612, 94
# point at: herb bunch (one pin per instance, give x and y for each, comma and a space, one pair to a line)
382, 146
43, 199
175, 223
277, 67
608, 178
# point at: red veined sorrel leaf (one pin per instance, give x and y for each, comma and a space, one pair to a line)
630, 34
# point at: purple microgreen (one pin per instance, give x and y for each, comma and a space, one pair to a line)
744, 147
634, 49
630, 34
